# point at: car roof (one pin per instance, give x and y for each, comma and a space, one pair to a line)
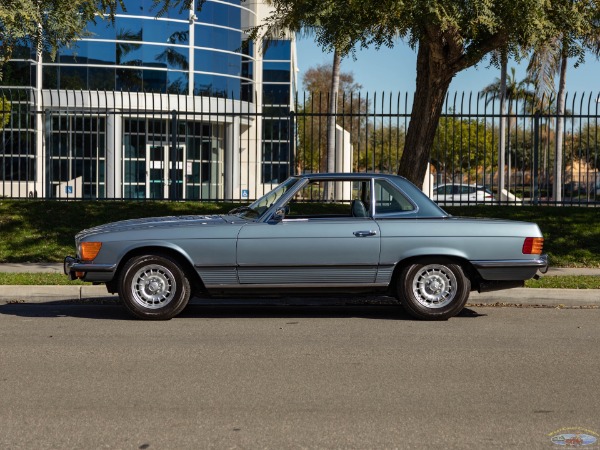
356, 176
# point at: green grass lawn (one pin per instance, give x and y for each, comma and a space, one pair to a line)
43, 231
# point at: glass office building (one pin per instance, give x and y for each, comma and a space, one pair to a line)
183, 106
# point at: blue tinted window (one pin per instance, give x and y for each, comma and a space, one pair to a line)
87, 52
276, 129
214, 37
177, 83
163, 56
276, 94
278, 72
208, 61
101, 79
72, 77
17, 73
278, 50
220, 14
154, 81
104, 29
129, 80
162, 31
211, 85
275, 173
148, 9
276, 151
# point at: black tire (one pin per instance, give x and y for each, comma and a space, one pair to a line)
433, 290
153, 287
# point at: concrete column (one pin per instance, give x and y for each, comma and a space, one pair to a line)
114, 155
232, 160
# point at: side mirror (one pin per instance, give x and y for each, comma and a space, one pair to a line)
280, 213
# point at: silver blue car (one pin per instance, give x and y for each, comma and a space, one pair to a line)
312, 234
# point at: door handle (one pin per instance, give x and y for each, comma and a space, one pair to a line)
365, 233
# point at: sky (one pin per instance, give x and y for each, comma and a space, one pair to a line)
394, 70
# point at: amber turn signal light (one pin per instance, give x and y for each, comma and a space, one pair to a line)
89, 250
533, 246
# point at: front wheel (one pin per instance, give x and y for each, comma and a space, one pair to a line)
433, 291
154, 287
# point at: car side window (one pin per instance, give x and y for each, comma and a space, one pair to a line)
330, 200
389, 200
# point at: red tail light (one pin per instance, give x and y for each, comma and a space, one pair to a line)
533, 246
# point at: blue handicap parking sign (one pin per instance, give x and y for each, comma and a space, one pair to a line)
68, 189
245, 193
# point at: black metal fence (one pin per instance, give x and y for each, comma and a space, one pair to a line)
113, 145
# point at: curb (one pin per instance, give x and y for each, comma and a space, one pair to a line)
518, 296
546, 297
42, 294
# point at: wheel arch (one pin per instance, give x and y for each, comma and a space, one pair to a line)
186, 265
468, 269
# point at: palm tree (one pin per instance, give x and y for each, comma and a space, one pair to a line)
507, 89
515, 90
546, 62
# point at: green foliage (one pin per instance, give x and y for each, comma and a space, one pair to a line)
382, 148
465, 146
4, 112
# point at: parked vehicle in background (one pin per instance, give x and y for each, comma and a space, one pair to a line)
313, 234
574, 189
461, 194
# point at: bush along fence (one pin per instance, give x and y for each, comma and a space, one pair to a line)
73, 145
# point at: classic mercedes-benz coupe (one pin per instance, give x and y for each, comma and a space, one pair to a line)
313, 234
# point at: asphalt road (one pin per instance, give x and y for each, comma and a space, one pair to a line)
86, 376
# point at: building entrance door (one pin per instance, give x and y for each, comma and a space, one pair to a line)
165, 177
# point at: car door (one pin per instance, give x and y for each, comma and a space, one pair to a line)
327, 247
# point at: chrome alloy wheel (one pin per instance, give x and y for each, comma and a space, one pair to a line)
434, 286
153, 287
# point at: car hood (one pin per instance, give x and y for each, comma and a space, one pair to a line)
157, 223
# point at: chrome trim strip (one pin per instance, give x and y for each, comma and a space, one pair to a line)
297, 285
214, 266
310, 266
542, 261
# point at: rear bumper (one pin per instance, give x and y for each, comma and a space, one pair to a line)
511, 270
75, 269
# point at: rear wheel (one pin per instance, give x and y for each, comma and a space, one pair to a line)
154, 287
433, 291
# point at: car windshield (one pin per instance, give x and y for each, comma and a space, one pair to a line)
260, 206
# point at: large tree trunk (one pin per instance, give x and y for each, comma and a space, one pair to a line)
434, 74
560, 125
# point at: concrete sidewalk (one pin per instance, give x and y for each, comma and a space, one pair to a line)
519, 296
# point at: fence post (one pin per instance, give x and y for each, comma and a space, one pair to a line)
173, 157
536, 150
292, 138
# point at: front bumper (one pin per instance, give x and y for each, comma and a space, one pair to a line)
74, 268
